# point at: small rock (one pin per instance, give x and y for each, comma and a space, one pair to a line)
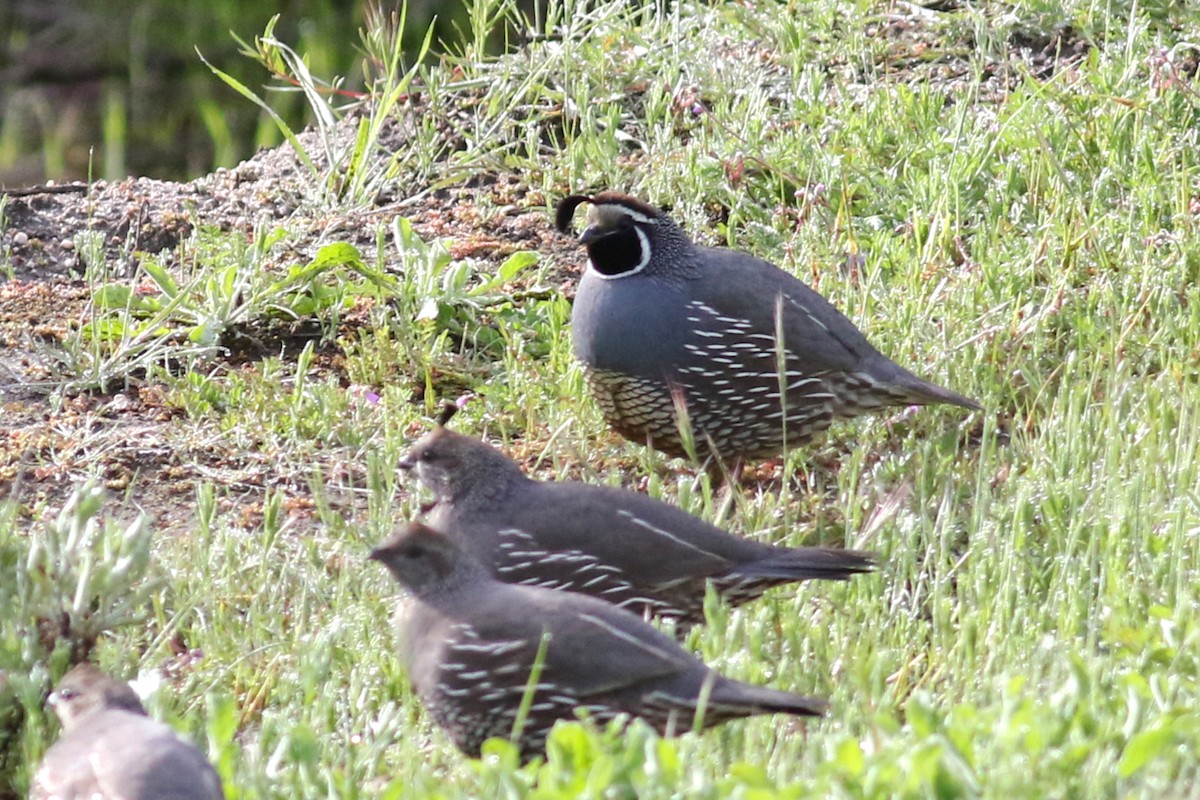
68, 244
21, 238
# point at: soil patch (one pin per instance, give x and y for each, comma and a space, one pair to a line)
49, 442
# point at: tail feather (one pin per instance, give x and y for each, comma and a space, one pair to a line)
922, 392
883, 383
730, 698
721, 700
807, 563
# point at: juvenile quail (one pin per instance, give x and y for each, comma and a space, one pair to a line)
624, 547
756, 359
110, 749
472, 644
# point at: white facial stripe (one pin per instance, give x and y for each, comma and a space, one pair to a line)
597, 212
644, 246
636, 216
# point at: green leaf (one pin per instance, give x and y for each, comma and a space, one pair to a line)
517, 263
222, 728
161, 277
406, 238
850, 757
1144, 747
456, 277
241, 89
107, 330
356, 166
151, 329
303, 745
119, 297
338, 254
302, 306
207, 333
751, 775
229, 280
921, 716
113, 296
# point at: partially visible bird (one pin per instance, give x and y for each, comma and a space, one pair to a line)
621, 546
110, 749
475, 647
713, 350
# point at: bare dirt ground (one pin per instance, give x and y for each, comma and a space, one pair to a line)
50, 440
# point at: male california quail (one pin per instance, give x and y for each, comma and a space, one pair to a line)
110, 749
474, 647
621, 546
668, 330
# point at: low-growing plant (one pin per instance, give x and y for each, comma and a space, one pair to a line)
71, 581
224, 297
453, 294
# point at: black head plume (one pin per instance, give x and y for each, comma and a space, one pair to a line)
566, 211
448, 412
450, 408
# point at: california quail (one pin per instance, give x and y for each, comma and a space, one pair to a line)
663, 325
472, 646
110, 749
621, 546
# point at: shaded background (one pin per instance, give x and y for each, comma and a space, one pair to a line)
114, 88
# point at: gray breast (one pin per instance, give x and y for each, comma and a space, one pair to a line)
632, 325
743, 395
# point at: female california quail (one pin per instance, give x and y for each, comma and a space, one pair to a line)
474, 648
110, 749
621, 546
714, 350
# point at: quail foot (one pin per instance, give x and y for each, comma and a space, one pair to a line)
713, 350
475, 647
624, 547
110, 749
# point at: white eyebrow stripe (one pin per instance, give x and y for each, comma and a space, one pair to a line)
636, 216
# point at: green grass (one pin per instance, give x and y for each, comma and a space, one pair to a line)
1028, 238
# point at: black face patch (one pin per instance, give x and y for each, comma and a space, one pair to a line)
617, 251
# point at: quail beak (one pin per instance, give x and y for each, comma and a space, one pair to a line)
593, 233
405, 463
384, 551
